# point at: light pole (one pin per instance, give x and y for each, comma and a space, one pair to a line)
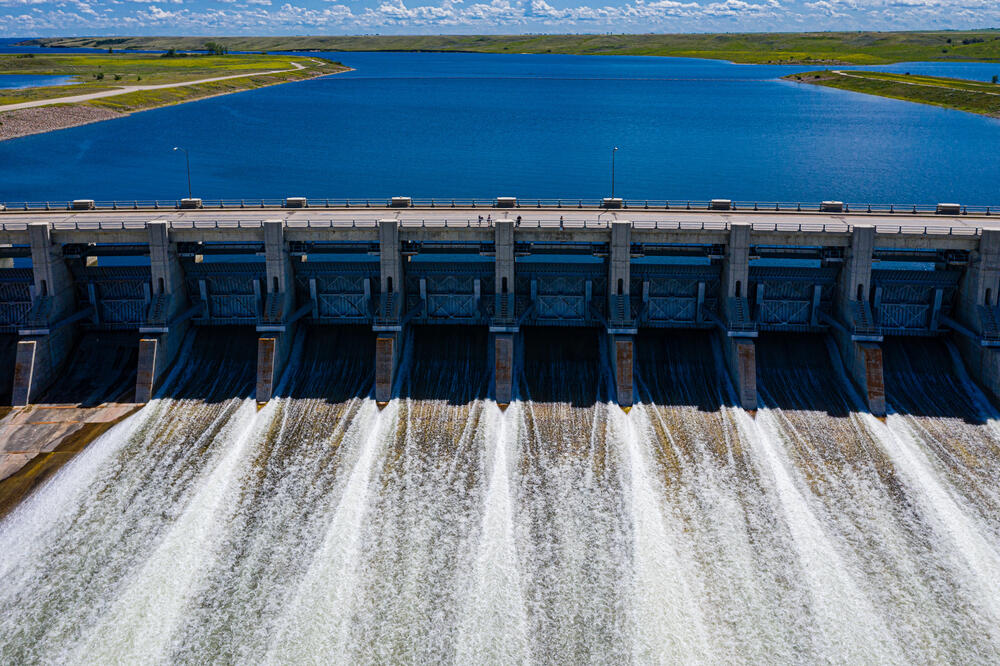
187, 159
613, 151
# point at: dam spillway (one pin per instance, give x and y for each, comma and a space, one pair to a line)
442, 528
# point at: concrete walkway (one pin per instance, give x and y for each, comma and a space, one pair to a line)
74, 99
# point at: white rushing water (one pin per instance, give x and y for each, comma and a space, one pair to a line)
321, 529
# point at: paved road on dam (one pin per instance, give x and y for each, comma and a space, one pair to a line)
570, 218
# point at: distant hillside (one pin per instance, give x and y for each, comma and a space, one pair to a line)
866, 48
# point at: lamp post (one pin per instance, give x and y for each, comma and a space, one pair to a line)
187, 159
613, 151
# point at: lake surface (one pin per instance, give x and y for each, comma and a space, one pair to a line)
13, 81
461, 125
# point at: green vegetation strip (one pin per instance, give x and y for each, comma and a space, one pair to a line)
960, 94
101, 72
863, 48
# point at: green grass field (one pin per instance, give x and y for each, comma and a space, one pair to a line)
101, 72
960, 94
867, 48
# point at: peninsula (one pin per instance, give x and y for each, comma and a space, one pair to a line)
961, 94
111, 85
834, 48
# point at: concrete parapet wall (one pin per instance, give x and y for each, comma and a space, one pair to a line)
741, 361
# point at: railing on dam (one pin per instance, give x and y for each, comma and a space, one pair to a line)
518, 203
97, 224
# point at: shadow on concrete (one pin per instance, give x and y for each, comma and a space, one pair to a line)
681, 368
8, 354
921, 380
447, 363
795, 372
100, 368
562, 365
220, 364
336, 363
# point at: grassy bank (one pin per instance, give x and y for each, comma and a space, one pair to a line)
97, 73
822, 47
129, 77
961, 94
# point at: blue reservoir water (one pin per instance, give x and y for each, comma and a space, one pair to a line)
10, 81
457, 125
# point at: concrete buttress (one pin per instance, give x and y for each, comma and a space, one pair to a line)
276, 327
47, 337
163, 332
858, 341
389, 320
739, 341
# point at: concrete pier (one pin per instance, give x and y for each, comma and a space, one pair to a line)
162, 334
621, 326
977, 311
503, 363
47, 336
858, 339
503, 326
276, 324
389, 321
739, 344
622, 356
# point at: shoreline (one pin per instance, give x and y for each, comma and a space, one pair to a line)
54, 117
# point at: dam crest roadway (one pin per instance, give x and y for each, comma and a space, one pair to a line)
856, 277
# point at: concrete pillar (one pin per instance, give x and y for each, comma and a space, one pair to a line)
619, 271
861, 353
389, 331
276, 330
856, 274
44, 348
387, 347
736, 265
740, 349
163, 334
504, 266
6, 262
980, 287
503, 328
622, 363
503, 360
741, 361
390, 259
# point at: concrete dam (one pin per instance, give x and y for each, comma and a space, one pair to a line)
396, 435
159, 276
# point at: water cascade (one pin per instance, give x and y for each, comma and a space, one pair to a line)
441, 528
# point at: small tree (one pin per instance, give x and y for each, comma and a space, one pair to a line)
994, 78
